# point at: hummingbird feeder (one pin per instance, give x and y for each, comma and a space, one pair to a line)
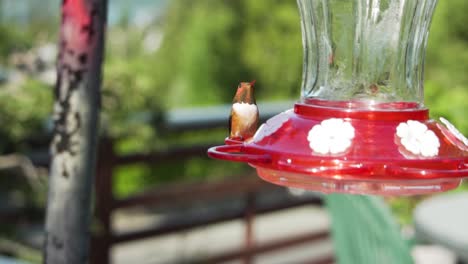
361, 126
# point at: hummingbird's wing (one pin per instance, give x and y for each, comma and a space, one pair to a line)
230, 123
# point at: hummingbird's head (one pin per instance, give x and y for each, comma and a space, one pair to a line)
245, 93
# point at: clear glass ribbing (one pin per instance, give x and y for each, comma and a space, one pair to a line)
365, 50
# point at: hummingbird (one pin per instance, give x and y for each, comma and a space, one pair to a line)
243, 121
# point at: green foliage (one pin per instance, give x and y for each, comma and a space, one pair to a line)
200, 55
208, 47
127, 91
23, 112
272, 47
12, 39
211, 45
447, 60
137, 178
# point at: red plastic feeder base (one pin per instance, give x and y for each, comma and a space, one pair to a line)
363, 186
395, 150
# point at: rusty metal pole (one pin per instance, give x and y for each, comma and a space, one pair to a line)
73, 147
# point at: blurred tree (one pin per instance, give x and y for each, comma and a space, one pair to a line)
199, 60
12, 39
207, 48
210, 46
447, 62
24, 109
272, 47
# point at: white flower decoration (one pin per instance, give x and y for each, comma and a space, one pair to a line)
454, 131
418, 139
271, 126
332, 135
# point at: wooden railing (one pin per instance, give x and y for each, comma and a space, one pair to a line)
246, 187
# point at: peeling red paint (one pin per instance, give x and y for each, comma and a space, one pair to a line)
76, 19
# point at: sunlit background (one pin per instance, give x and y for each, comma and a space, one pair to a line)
165, 55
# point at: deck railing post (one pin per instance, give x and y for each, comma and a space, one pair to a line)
249, 218
102, 235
